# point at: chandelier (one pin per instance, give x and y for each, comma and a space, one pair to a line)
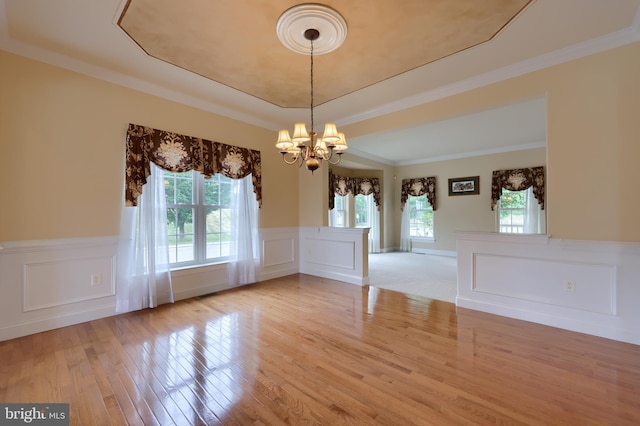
305, 147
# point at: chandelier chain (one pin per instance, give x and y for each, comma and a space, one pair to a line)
312, 86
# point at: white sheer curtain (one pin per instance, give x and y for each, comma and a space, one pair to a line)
244, 248
534, 218
143, 275
405, 238
374, 220
336, 216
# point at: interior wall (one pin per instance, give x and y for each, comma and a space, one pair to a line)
62, 137
463, 212
356, 166
592, 140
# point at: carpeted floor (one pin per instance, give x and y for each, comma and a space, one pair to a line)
418, 274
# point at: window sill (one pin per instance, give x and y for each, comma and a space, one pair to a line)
423, 239
196, 269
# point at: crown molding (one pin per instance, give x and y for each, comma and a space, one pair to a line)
570, 53
609, 41
501, 150
478, 153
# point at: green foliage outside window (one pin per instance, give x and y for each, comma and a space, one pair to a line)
511, 200
217, 198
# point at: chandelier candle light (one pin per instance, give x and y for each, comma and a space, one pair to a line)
305, 147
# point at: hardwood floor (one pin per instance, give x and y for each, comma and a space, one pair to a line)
305, 350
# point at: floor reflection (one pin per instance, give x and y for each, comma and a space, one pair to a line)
197, 366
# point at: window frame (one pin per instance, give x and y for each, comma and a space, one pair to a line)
528, 197
420, 238
368, 200
344, 202
199, 218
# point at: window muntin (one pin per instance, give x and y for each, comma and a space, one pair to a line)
198, 218
420, 217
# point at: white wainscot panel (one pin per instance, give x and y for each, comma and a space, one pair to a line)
334, 254
278, 251
193, 282
585, 286
589, 287
56, 283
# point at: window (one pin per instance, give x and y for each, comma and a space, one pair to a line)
519, 213
363, 209
198, 218
338, 216
420, 217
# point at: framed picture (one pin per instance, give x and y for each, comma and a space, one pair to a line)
464, 186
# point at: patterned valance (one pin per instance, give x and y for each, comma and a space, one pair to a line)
179, 153
342, 185
518, 180
418, 187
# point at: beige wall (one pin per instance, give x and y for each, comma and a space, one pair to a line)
593, 147
463, 212
62, 151
62, 148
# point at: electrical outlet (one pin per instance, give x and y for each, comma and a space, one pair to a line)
96, 279
570, 286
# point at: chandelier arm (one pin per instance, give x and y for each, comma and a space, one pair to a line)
289, 162
333, 163
324, 155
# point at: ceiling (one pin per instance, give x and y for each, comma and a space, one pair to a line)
248, 56
225, 57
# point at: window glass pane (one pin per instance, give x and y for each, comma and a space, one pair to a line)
420, 217
181, 234
217, 191
512, 208
362, 211
212, 191
178, 187
339, 213
170, 187
218, 232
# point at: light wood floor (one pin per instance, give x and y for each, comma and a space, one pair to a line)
304, 350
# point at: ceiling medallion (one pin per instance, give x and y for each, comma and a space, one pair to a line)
293, 23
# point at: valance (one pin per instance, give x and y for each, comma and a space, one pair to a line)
418, 187
179, 153
518, 180
342, 185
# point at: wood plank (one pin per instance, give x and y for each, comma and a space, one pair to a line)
306, 350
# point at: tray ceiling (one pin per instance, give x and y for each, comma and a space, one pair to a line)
235, 43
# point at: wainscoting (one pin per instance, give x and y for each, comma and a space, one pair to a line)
55, 283
336, 253
585, 286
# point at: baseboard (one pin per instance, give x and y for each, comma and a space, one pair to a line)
51, 323
446, 253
